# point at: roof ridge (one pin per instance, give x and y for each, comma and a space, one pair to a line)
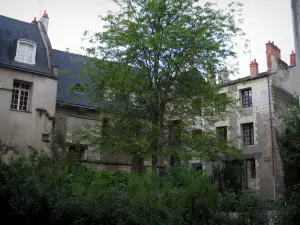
71, 53
17, 20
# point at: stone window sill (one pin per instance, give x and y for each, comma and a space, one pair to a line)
15, 110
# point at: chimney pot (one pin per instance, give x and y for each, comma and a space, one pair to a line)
45, 14
45, 20
34, 22
293, 58
253, 68
271, 50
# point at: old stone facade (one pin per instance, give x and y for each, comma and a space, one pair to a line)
254, 123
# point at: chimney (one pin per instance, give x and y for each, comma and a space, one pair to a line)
253, 68
292, 58
223, 76
34, 22
271, 50
45, 20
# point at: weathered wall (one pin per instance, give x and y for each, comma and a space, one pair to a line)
69, 120
22, 129
258, 114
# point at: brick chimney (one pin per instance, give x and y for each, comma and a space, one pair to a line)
45, 20
292, 58
271, 49
34, 22
253, 68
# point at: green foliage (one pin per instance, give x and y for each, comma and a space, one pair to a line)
290, 140
289, 145
289, 213
46, 190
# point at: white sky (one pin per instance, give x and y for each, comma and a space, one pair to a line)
263, 20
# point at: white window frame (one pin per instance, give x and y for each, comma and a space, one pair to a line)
19, 95
27, 42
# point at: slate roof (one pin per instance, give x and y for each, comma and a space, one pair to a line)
10, 31
70, 67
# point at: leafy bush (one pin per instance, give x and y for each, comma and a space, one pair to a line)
56, 190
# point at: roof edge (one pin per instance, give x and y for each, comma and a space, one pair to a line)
30, 71
248, 78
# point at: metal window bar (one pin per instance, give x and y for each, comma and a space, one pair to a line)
247, 98
248, 134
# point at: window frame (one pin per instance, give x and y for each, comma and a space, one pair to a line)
20, 89
250, 134
26, 42
78, 89
248, 103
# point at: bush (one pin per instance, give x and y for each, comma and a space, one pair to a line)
56, 190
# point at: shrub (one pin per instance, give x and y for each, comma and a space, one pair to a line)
56, 190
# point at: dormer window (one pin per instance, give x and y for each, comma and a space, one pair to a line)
26, 52
78, 89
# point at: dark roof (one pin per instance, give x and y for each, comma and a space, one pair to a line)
10, 31
70, 67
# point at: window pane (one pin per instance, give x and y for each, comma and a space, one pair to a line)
20, 96
247, 98
25, 52
248, 134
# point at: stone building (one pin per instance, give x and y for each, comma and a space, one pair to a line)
28, 85
255, 125
36, 98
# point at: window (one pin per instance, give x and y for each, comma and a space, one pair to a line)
45, 137
247, 98
26, 52
175, 128
252, 168
77, 89
20, 96
222, 133
105, 126
197, 166
248, 134
79, 151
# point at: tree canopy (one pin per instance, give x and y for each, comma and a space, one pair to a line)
157, 61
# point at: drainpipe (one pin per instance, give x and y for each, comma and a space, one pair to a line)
272, 141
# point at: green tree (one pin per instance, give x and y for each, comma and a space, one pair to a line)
157, 61
289, 145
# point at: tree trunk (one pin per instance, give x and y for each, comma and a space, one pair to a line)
154, 163
137, 165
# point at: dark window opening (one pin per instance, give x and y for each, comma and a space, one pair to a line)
105, 126
197, 166
247, 98
222, 133
45, 137
252, 168
79, 151
248, 134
